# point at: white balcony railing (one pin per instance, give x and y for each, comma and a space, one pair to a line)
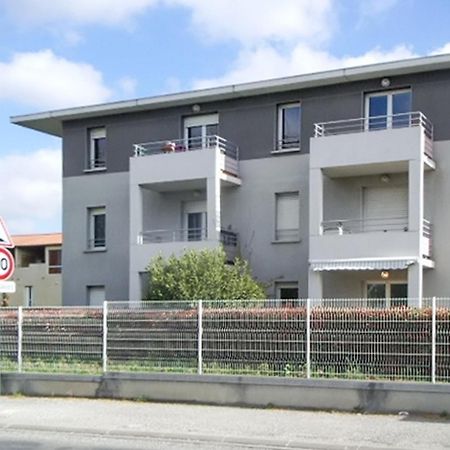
182, 145
376, 123
228, 238
349, 226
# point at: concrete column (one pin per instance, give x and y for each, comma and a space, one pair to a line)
415, 284
315, 202
136, 224
136, 213
135, 291
213, 207
416, 196
315, 285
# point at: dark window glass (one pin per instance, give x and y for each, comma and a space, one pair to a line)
290, 127
195, 230
399, 294
99, 152
195, 137
378, 107
99, 230
376, 292
401, 107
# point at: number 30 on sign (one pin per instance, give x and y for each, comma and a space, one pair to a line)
6, 264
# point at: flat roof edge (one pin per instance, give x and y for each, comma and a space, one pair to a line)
51, 121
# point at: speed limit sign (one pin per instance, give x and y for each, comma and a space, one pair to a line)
6, 264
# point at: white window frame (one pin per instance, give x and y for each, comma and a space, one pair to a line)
389, 95
94, 134
295, 231
199, 121
280, 146
92, 213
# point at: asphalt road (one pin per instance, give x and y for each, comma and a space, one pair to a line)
63, 424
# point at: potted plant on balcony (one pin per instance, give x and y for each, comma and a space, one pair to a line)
168, 147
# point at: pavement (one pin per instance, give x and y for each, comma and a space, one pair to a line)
80, 424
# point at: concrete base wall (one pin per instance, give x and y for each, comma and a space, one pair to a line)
356, 396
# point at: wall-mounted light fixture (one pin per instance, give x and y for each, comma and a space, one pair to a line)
196, 108
384, 274
385, 178
385, 82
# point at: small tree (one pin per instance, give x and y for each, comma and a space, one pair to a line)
202, 275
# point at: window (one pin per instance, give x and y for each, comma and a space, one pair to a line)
289, 117
388, 109
287, 293
97, 149
54, 260
287, 216
201, 131
387, 293
97, 228
195, 220
29, 294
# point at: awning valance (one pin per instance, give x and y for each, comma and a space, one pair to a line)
362, 264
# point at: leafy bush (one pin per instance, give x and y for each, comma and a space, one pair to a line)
202, 275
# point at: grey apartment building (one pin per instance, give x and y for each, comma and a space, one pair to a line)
333, 184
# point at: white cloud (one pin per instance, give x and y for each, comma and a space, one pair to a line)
31, 191
266, 62
441, 50
104, 12
253, 21
44, 80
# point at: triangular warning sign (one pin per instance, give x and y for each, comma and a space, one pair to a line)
5, 238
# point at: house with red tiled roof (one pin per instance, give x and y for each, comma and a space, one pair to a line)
38, 270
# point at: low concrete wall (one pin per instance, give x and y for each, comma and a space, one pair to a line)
376, 397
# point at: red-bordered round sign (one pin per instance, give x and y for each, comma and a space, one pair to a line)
6, 264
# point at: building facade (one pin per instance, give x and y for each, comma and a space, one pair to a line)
333, 184
38, 267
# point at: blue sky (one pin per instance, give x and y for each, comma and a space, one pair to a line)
56, 54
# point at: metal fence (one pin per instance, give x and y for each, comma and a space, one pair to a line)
345, 338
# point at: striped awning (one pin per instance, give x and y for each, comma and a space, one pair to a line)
362, 264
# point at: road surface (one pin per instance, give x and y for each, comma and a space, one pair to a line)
80, 424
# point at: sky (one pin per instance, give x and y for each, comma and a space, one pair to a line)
58, 54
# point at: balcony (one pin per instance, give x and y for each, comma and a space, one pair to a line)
349, 239
372, 145
185, 159
167, 242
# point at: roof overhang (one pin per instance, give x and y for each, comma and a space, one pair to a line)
51, 122
362, 264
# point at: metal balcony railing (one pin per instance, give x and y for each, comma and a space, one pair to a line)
182, 145
228, 238
349, 226
362, 124
375, 123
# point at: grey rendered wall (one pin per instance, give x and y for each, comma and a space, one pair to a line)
80, 267
437, 281
251, 211
251, 122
